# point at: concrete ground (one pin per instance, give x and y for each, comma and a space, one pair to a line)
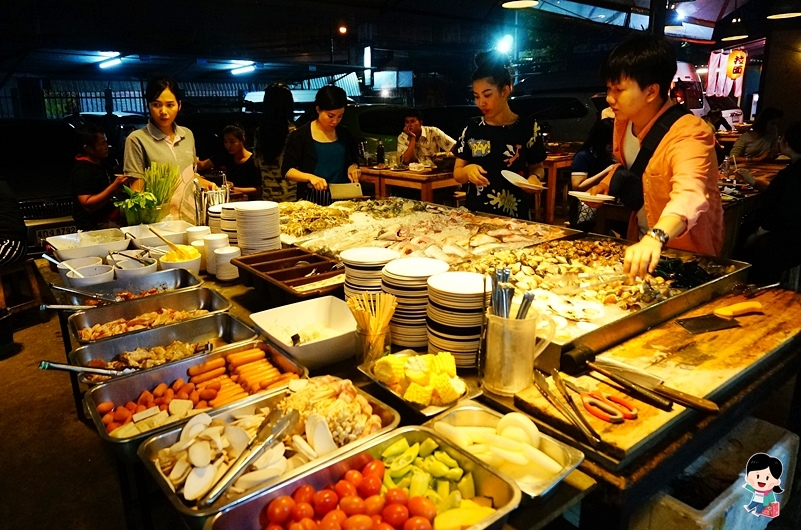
56, 472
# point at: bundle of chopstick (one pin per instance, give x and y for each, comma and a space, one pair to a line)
373, 312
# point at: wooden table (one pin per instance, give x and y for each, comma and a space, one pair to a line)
737, 368
553, 163
425, 181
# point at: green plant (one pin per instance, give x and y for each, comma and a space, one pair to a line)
139, 207
161, 180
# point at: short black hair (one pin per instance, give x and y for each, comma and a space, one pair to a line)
763, 118
792, 135
157, 85
87, 135
414, 113
330, 97
647, 59
492, 66
761, 461
235, 130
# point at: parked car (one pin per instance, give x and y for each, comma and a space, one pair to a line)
38, 173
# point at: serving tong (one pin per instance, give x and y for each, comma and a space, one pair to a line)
49, 365
271, 430
566, 406
88, 294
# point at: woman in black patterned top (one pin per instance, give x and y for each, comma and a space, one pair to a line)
499, 140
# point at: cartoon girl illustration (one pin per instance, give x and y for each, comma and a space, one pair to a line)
762, 477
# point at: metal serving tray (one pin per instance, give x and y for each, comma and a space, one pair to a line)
223, 326
196, 517
202, 298
489, 483
168, 280
129, 387
470, 413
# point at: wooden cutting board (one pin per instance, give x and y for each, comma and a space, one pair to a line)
705, 365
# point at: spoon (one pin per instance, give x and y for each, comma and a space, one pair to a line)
169, 243
69, 267
111, 259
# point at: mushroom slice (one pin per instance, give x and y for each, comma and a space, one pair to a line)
195, 425
323, 440
303, 448
255, 478
238, 438
182, 445
296, 385
200, 453
270, 456
180, 471
199, 482
212, 432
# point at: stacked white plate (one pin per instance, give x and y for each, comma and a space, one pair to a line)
456, 302
228, 221
211, 243
215, 212
363, 268
407, 280
258, 228
225, 269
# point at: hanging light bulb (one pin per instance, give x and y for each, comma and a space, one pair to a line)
735, 31
519, 4
785, 9
674, 21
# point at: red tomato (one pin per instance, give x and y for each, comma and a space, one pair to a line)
302, 510
371, 485
354, 476
374, 504
324, 501
395, 515
376, 519
307, 523
422, 507
417, 523
352, 505
345, 489
397, 496
280, 509
336, 516
358, 522
382, 526
329, 525
374, 469
273, 527
304, 493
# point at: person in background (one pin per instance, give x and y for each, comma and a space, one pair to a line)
761, 142
590, 161
775, 246
323, 151
682, 206
237, 163
163, 141
500, 140
418, 142
275, 127
716, 120
93, 185
13, 232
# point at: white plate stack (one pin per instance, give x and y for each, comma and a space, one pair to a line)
200, 246
228, 222
257, 226
225, 269
215, 212
363, 268
211, 243
407, 280
456, 302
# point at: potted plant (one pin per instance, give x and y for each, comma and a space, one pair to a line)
152, 204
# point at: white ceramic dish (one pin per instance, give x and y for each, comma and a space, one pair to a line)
87, 244
192, 265
586, 197
128, 268
282, 322
174, 231
519, 181
76, 263
92, 275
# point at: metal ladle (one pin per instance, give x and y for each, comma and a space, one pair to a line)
69, 267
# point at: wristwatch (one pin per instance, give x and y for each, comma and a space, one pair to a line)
659, 235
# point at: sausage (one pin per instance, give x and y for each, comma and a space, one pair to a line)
211, 374
207, 366
234, 357
245, 359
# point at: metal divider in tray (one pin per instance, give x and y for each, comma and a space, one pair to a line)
281, 274
221, 330
192, 299
505, 495
195, 516
169, 280
121, 390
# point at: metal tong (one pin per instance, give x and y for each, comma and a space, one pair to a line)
568, 408
271, 430
88, 294
49, 365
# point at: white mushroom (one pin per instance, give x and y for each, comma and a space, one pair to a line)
200, 453
238, 438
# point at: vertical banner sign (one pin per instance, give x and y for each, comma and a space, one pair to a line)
736, 65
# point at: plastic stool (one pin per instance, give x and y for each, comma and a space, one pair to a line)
19, 284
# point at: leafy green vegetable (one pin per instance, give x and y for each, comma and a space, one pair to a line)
161, 180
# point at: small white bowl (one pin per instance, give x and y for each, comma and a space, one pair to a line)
192, 265
130, 267
93, 274
76, 264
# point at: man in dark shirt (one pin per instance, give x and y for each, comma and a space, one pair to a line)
93, 185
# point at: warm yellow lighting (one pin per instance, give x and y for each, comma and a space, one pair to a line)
519, 4
343, 30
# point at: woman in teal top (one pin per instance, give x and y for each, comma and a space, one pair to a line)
322, 152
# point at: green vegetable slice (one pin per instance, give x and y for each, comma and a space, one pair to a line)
396, 448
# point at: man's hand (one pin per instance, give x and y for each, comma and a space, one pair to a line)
120, 180
475, 175
318, 183
643, 257
407, 130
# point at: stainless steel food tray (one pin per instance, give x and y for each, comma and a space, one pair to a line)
129, 387
470, 381
169, 280
202, 298
222, 326
150, 448
489, 483
470, 413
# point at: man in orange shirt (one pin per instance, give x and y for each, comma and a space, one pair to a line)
682, 203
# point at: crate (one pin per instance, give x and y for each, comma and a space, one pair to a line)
728, 458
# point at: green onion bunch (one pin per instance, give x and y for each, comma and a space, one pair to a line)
162, 180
